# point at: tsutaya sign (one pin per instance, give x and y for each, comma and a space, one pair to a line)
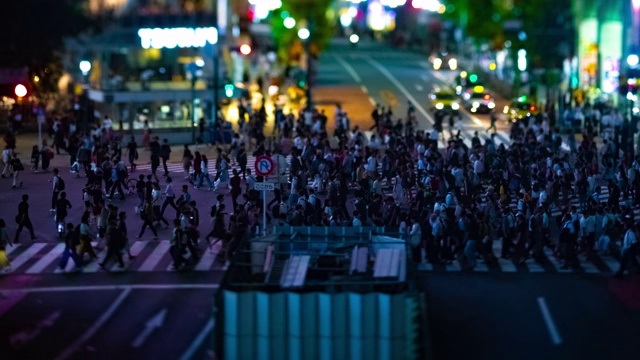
170, 38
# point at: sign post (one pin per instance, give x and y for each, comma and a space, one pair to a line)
264, 187
264, 167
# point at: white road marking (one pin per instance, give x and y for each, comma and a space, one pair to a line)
210, 255
551, 327
197, 342
26, 255
364, 89
155, 257
111, 288
348, 68
69, 351
47, 259
419, 87
400, 87
371, 101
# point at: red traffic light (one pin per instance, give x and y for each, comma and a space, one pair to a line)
486, 97
532, 108
20, 90
245, 49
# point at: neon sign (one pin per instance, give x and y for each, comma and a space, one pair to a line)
170, 38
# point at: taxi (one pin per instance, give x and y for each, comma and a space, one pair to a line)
481, 103
444, 100
521, 108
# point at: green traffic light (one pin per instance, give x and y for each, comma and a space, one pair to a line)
473, 78
302, 84
228, 90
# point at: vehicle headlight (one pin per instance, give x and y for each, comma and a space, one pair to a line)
506, 110
455, 106
476, 104
453, 64
491, 105
437, 63
439, 106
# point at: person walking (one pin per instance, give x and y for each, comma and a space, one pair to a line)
122, 227
5, 264
58, 186
170, 196
204, 167
147, 217
62, 206
156, 199
86, 236
165, 153
154, 147
23, 220
493, 119
187, 158
223, 174
7, 155
132, 153
119, 176
115, 244
177, 247
71, 242
629, 250
17, 167
236, 190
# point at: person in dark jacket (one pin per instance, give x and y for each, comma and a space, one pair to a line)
23, 220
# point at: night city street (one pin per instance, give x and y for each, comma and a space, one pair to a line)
442, 179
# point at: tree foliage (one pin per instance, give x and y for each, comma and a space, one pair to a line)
314, 13
546, 23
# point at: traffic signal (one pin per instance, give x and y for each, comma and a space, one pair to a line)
245, 49
302, 83
473, 78
228, 90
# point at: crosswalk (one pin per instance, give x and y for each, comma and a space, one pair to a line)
595, 264
149, 256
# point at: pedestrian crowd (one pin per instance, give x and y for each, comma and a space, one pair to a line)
450, 204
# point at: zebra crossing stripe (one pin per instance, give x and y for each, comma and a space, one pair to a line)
534, 267
27, 255
11, 249
46, 260
154, 258
555, 262
94, 265
137, 247
587, 266
611, 263
210, 255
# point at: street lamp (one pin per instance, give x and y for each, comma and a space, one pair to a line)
289, 22
85, 67
20, 91
633, 60
304, 34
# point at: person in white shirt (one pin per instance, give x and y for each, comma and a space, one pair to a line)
6, 159
629, 249
170, 196
588, 227
356, 219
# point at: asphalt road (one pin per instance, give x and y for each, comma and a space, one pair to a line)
500, 316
